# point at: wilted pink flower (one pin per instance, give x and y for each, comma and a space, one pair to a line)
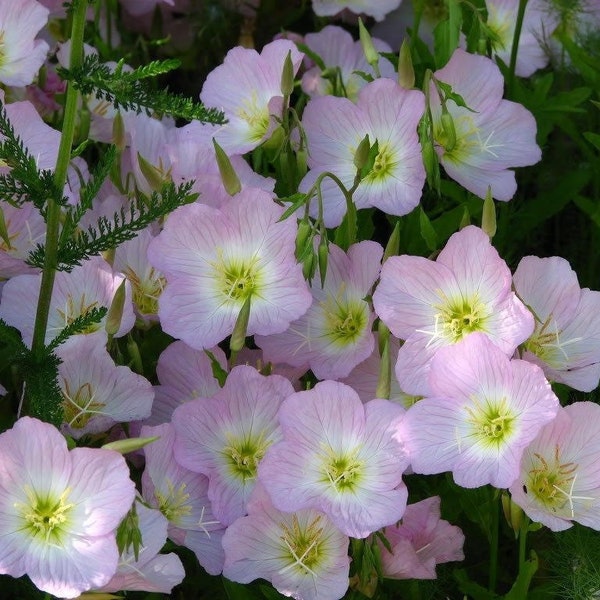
335, 334
566, 340
491, 136
340, 457
96, 392
182, 496
338, 50
215, 260
559, 480
247, 88
59, 509
151, 571
335, 127
433, 304
420, 542
225, 437
301, 553
378, 10
22, 54
483, 411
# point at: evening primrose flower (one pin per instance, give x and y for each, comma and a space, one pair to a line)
483, 411
431, 304
377, 10
216, 260
301, 553
491, 136
182, 497
225, 437
247, 88
60, 509
559, 480
334, 335
21, 55
335, 127
566, 340
340, 457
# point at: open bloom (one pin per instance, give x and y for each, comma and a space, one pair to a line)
335, 127
21, 55
559, 480
378, 10
340, 457
59, 509
433, 304
247, 88
215, 260
484, 410
334, 335
490, 137
420, 542
566, 340
301, 553
225, 437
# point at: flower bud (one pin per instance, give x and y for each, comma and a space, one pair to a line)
115, 312
130, 444
228, 175
238, 337
449, 130
287, 77
406, 71
361, 156
488, 216
118, 132
153, 175
368, 48
4, 230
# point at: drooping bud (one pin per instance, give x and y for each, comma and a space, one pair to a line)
231, 181
488, 215
406, 71
303, 238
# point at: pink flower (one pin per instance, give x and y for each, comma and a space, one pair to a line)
335, 334
335, 127
214, 260
59, 509
492, 137
420, 542
559, 480
22, 54
433, 304
566, 340
340, 457
247, 88
301, 553
338, 50
378, 10
484, 410
225, 437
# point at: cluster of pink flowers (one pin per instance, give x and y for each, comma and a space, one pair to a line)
262, 476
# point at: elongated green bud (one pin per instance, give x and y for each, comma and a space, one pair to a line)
115, 312
488, 215
4, 230
513, 513
384, 381
449, 130
406, 71
323, 256
309, 266
153, 176
228, 175
465, 219
361, 156
118, 132
368, 48
238, 337
287, 77
393, 246
303, 238
130, 444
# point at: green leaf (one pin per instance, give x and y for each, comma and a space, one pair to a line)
521, 586
427, 231
592, 138
237, 591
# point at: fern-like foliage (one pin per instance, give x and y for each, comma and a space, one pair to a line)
25, 181
79, 325
127, 90
124, 226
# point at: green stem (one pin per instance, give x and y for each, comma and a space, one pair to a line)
495, 526
60, 177
515, 47
523, 542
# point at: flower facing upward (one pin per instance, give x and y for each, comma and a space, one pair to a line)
483, 411
59, 510
215, 260
340, 457
431, 304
